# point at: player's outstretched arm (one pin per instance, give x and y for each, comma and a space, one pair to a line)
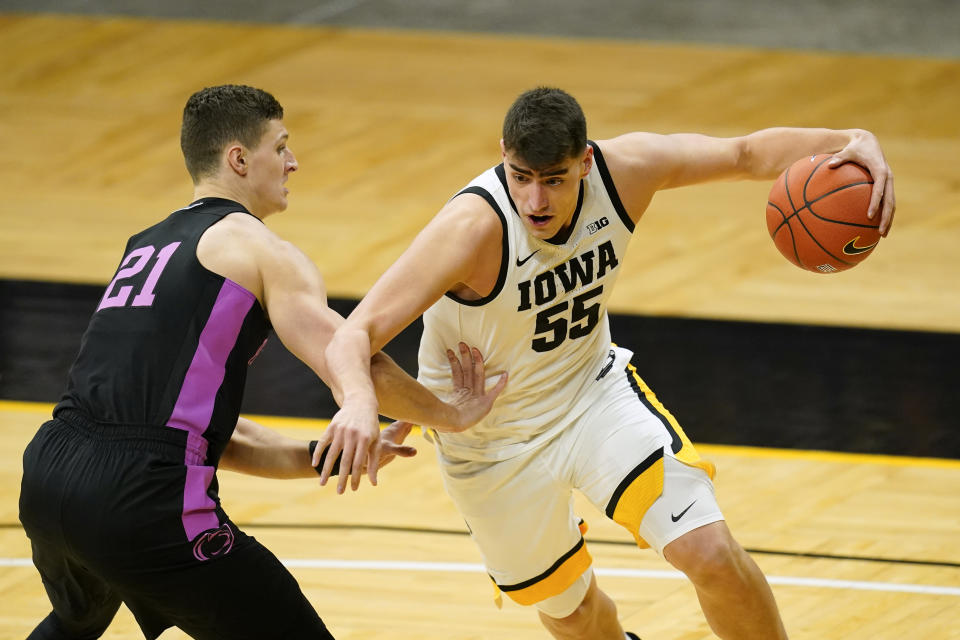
257, 450
291, 290
769, 151
449, 252
643, 163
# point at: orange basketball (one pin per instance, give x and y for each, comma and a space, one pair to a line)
817, 216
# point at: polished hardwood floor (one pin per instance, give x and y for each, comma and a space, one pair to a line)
855, 547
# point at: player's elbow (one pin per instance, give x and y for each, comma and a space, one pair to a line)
753, 158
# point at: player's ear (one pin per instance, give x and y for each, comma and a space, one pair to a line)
587, 161
236, 158
503, 149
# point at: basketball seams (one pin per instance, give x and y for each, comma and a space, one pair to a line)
818, 243
803, 192
816, 238
785, 217
809, 208
785, 224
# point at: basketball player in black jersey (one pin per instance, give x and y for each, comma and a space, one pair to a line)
119, 493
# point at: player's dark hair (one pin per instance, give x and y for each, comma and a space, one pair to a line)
216, 116
544, 127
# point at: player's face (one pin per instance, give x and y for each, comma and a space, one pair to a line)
546, 199
269, 166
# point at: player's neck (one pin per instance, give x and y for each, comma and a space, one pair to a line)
217, 189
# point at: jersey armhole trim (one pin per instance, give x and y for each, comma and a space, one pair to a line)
212, 275
504, 253
611, 188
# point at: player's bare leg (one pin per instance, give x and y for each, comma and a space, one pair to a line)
595, 618
734, 595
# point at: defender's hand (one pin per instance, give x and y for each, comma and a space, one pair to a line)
391, 443
353, 434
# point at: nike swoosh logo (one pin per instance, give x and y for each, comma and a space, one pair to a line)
851, 248
677, 517
520, 262
607, 366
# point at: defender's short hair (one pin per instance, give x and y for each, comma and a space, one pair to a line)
544, 127
216, 116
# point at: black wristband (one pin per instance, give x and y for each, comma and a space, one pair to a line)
323, 456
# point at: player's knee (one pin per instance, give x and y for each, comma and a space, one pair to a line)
705, 555
573, 604
53, 628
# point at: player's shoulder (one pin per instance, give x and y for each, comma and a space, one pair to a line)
470, 212
242, 230
632, 149
241, 242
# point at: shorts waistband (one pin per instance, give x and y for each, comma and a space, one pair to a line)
169, 443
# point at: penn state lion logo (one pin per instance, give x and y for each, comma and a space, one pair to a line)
213, 543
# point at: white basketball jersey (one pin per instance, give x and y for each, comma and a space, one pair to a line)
545, 322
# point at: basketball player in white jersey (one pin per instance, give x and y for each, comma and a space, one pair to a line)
521, 264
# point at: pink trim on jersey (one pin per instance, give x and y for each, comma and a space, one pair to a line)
194, 407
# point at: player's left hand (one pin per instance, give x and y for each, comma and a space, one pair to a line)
471, 400
354, 436
865, 150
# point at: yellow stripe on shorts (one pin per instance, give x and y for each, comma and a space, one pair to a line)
636, 493
681, 446
642, 486
554, 580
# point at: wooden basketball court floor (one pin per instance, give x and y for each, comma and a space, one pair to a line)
386, 125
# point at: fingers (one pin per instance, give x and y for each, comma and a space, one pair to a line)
456, 371
889, 207
403, 450
882, 200
468, 366
865, 150
321, 445
497, 388
467, 369
403, 430
347, 460
479, 381
838, 159
373, 459
352, 445
396, 432
876, 195
331, 436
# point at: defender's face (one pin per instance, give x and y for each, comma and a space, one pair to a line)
546, 199
269, 166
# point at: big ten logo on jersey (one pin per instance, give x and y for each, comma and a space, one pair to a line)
553, 326
596, 225
130, 267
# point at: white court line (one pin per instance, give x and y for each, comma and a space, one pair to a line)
462, 567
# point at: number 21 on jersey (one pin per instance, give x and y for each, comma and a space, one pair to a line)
133, 263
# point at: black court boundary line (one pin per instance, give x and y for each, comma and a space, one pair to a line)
628, 543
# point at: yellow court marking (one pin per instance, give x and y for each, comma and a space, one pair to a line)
26, 407
828, 456
716, 449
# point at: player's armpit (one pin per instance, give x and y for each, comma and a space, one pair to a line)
461, 246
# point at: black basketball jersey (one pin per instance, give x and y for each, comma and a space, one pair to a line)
170, 341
